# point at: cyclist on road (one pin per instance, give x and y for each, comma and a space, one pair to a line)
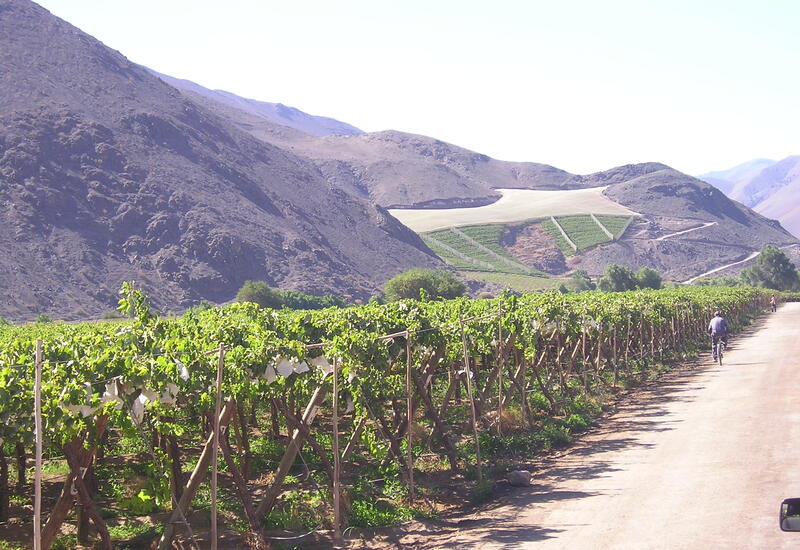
718, 329
772, 303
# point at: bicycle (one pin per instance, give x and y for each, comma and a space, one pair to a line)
718, 345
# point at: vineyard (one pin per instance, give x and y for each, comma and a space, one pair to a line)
475, 248
584, 231
289, 421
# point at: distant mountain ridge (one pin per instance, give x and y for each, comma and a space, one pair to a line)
273, 112
771, 188
401, 170
388, 166
725, 180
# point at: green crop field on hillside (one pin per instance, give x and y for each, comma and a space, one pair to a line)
463, 247
557, 237
514, 281
470, 256
451, 259
615, 224
489, 236
583, 231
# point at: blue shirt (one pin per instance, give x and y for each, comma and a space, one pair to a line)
718, 325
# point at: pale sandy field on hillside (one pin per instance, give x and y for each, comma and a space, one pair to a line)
516, 205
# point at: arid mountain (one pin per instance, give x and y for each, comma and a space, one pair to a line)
783, 203
109, 174
770, 188
671, 201
393, 168
273, 112
397, 169
726, 180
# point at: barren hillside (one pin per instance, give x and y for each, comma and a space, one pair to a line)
107, 174
770, 188
400, 170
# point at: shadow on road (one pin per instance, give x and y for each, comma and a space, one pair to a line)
644, 410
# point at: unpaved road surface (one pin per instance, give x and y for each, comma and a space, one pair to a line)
702, 461
685, 231
720, 268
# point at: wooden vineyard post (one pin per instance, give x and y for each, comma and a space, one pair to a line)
652, 340
627, 345
641, 351
501, 358
599, 359
351, 444
337, 521
468, 374
193, 484
674, 333
614, 348
410, 413
559, 350
583, 340
292, 450
215, 447
37, 482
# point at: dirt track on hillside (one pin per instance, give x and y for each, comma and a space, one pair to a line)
701, 460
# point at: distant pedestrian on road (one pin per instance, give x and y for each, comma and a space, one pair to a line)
773, 303
717, 329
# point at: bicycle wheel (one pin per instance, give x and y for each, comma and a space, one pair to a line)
720, 347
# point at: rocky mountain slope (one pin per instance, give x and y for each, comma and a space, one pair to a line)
397, 169
273, 112
770, 188
671, 201
726, 180
109, 174
394, 168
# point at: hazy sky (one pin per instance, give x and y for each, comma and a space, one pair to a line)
580, 84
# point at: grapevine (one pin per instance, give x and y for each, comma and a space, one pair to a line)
157, 376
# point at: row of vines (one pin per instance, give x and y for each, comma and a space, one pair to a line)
388, 385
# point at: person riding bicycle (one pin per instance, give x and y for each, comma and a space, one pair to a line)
773, 303
718, 329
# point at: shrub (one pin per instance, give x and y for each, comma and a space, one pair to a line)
648, 277
262, 294
258, 292
576, 423
581, 281
773, 269
434, 283
617, 278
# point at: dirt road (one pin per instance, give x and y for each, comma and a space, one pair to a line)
685, 231
720, 268
703, 461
